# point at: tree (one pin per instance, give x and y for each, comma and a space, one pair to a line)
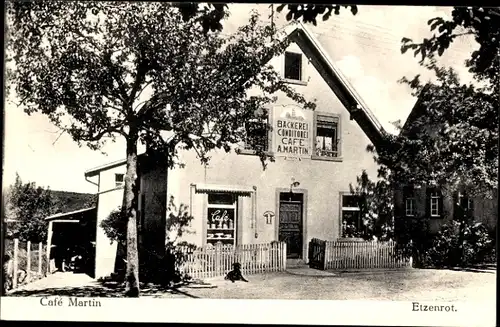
376, 205
454, 141
483, 24
88, 66
27, 206
463, 148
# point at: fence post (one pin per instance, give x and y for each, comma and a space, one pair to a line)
28, 261
283, 254
14, 262
40, 250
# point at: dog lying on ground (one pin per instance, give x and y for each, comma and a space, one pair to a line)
235, 274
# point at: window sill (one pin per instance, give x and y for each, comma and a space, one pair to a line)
336, 159
249, 152
294, 81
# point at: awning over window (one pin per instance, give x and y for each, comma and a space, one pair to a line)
217, 188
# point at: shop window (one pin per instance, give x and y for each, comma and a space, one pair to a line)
221, 218
327, 136
352, 222
293, 66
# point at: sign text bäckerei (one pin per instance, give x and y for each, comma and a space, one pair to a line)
292, 133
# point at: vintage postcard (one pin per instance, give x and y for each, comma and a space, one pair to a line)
262, 163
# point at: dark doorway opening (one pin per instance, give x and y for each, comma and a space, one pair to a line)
290, 229
73, 246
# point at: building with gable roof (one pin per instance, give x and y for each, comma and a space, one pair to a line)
304, 194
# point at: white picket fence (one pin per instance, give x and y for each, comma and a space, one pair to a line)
346, 255
28, 262
215, 261
363, 255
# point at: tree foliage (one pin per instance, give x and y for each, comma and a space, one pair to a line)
88, 66
26, 208
308, 12
211, 14
452, 142
482, 23
453, 139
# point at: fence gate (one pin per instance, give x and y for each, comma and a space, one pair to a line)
317, 249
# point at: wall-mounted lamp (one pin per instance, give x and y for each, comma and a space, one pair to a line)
294, 184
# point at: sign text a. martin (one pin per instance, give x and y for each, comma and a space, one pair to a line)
292, 132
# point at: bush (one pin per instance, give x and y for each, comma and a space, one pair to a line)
461, 245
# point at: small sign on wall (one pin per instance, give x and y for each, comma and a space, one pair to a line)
269, 216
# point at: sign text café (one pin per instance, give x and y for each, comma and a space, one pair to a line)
292, 132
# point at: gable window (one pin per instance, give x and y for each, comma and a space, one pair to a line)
293, 66
434, 203
327, 136
352, 223
119, 180
256, 135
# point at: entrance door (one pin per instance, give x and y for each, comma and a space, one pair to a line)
290, 224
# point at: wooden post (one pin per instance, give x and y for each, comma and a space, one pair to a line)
283, 255
14, 262
40, 250
28, 261
49, 245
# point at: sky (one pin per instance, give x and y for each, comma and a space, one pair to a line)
365, 47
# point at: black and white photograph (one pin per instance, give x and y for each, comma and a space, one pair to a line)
318, 163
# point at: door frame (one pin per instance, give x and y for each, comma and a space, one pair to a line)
304, 217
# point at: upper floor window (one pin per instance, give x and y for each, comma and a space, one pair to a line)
327, 138
293, 66
434, 203
119, 180
256, 135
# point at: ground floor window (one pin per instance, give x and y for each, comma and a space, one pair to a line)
352, 222
221, 218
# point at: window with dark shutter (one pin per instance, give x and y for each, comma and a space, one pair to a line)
257, 135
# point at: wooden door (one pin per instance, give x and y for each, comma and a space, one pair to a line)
290, 227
